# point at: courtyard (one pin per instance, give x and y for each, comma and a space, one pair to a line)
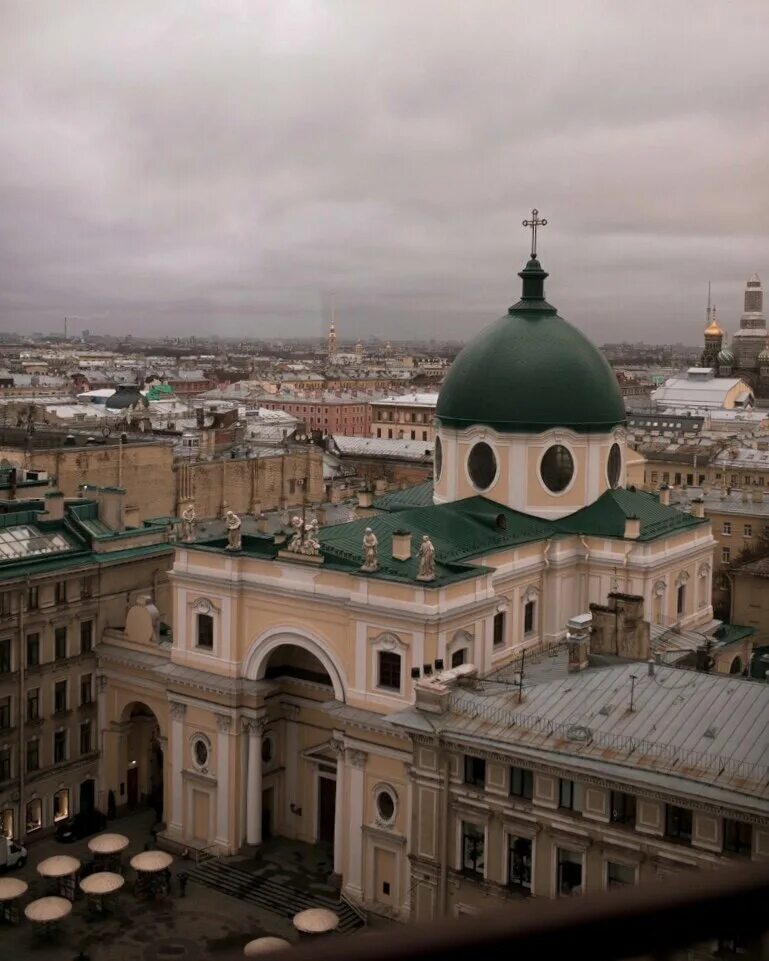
200, 925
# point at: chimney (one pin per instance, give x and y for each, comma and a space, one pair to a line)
757, 495
722, 494
745, 495
112, 507
665, 495
578, 641
698, 507
632, 528
650, 665
54, 505
262, 525
364, 499
401, 545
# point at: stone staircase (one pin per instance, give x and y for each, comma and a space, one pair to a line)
267, 893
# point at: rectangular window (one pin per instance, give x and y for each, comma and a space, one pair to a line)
521, 783
61, 804
727, 528
528, 617
85, 738
390, 670
60, 643
458, 657
569, 872
747, 530
677, 480
499, 628
678, 824
654, 476
32, 599
33, 755
619, 875
5, 603
473, 849
475, 771
690, 479
681, 599
5, 713
519, 861
5, 764
665, 477
60, 697
725, 555
86, 637
623, 808
59, 747
738, 837
570, 796
205, 631
33, 650
86, 689
33, 704
61, 592
5, 655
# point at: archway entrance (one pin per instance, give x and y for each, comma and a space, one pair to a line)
141, 761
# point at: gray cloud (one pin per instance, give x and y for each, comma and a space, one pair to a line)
193, 166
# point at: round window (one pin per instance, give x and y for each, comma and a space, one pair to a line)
614, 465
385, 805
557, 468
266, 750
200, 752
482, 465
438, 457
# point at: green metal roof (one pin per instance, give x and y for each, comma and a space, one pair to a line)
531, 371
421, 495
606, 517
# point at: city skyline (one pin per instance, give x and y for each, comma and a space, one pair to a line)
177, 168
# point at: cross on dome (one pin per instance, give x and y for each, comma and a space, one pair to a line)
533, 224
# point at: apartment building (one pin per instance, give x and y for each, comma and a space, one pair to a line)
404, 417
68, 570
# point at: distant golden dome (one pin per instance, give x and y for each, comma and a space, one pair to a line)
713, 330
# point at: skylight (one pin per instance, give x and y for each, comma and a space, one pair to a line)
27, 541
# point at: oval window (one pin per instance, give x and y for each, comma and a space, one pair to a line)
482, 465
614, 465
557, 468
200, 749
385, 806
438, 456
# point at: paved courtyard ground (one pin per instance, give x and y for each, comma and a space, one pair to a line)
201, 926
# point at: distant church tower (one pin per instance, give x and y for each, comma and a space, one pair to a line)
331, 344
714, 336
750, 339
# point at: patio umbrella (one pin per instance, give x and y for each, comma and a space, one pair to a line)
151, 861
102, 882
316, 921
264, 946
108, 844
11, 888
45, 910
59, 866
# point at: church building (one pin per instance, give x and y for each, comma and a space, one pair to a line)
275, 705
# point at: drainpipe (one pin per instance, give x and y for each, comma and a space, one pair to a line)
443, 905
22, 705
628, 549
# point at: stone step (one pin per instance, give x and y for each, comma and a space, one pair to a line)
272, 895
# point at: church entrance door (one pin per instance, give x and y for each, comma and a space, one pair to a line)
326, 808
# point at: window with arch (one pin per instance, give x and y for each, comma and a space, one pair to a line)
437, 457
614, 466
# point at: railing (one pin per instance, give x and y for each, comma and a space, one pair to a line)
356, 910
721, 912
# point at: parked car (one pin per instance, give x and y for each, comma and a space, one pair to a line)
80, 826
12, 855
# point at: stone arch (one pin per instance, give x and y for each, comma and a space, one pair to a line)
255, 662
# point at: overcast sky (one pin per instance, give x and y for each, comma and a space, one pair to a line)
187, 167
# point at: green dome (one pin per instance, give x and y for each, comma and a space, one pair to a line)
531, 371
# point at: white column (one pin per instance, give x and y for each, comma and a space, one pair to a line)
101, 745
224, 723
338, 749
357, 761
177, 765
254, 785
